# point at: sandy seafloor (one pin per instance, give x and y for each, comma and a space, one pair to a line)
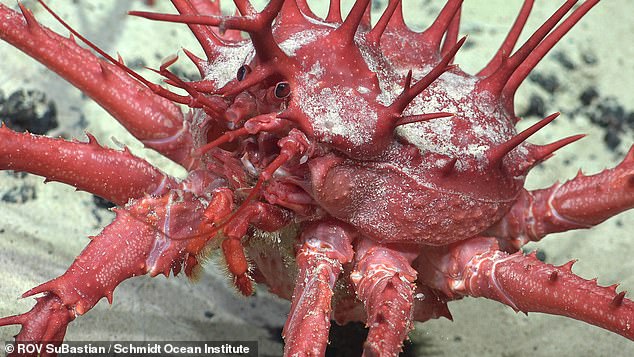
40, 237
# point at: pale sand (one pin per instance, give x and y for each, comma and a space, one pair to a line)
40, 238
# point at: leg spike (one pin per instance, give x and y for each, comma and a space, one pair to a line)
618, 299
31, 22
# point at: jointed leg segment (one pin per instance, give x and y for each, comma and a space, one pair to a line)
384, 281
152, 119
476, 267
114, 175
326, 246
582, 202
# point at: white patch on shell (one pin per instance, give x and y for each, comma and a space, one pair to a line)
453, 93
299, 39
482, 123
337, 111
223, 68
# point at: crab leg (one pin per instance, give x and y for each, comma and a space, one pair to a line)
114, 175
155, 121
325, 247
383, 279
477, 267
582, 202
150, 236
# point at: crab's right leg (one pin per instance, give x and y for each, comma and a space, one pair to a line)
152, 119
582, 202
384, 281
476, 267
325, 247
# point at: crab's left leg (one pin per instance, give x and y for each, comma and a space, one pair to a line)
384, 280
325, 247
111, 174
152, 235
476, 267
154, 120
582, 202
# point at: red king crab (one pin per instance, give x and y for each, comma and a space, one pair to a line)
351, 168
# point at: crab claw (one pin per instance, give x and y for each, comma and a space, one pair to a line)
46, 322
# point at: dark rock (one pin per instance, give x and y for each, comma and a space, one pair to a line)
549, 83
588, 96
29, 111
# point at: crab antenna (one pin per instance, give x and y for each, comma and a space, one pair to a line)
187, 100
496, 155
258, 26
96, 48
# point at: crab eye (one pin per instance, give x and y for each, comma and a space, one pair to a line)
282, 90
243, 71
